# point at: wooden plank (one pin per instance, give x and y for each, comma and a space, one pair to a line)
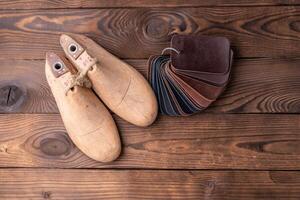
204, 141
43, 4
140, 32
257, 86
148, 184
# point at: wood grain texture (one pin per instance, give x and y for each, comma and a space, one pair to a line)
43, 4
206, 141
29, 78
207, 156
257, 86
148, 184
140, 32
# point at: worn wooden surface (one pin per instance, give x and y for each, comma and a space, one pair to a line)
253, 89
207, 141
43, 4
245, 146
148, 184
271, 31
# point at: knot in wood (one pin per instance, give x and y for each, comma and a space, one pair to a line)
55, 146
157, 28
11, 97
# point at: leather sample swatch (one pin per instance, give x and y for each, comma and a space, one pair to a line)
193, 76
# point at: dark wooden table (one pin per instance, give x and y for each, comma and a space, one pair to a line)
246, 146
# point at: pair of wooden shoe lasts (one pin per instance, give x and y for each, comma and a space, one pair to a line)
120, 87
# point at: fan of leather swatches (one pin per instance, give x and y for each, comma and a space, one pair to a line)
193, 76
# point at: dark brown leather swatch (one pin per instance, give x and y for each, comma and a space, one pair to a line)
188, 81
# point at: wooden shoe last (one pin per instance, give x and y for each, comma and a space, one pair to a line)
87, 121
124, 90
